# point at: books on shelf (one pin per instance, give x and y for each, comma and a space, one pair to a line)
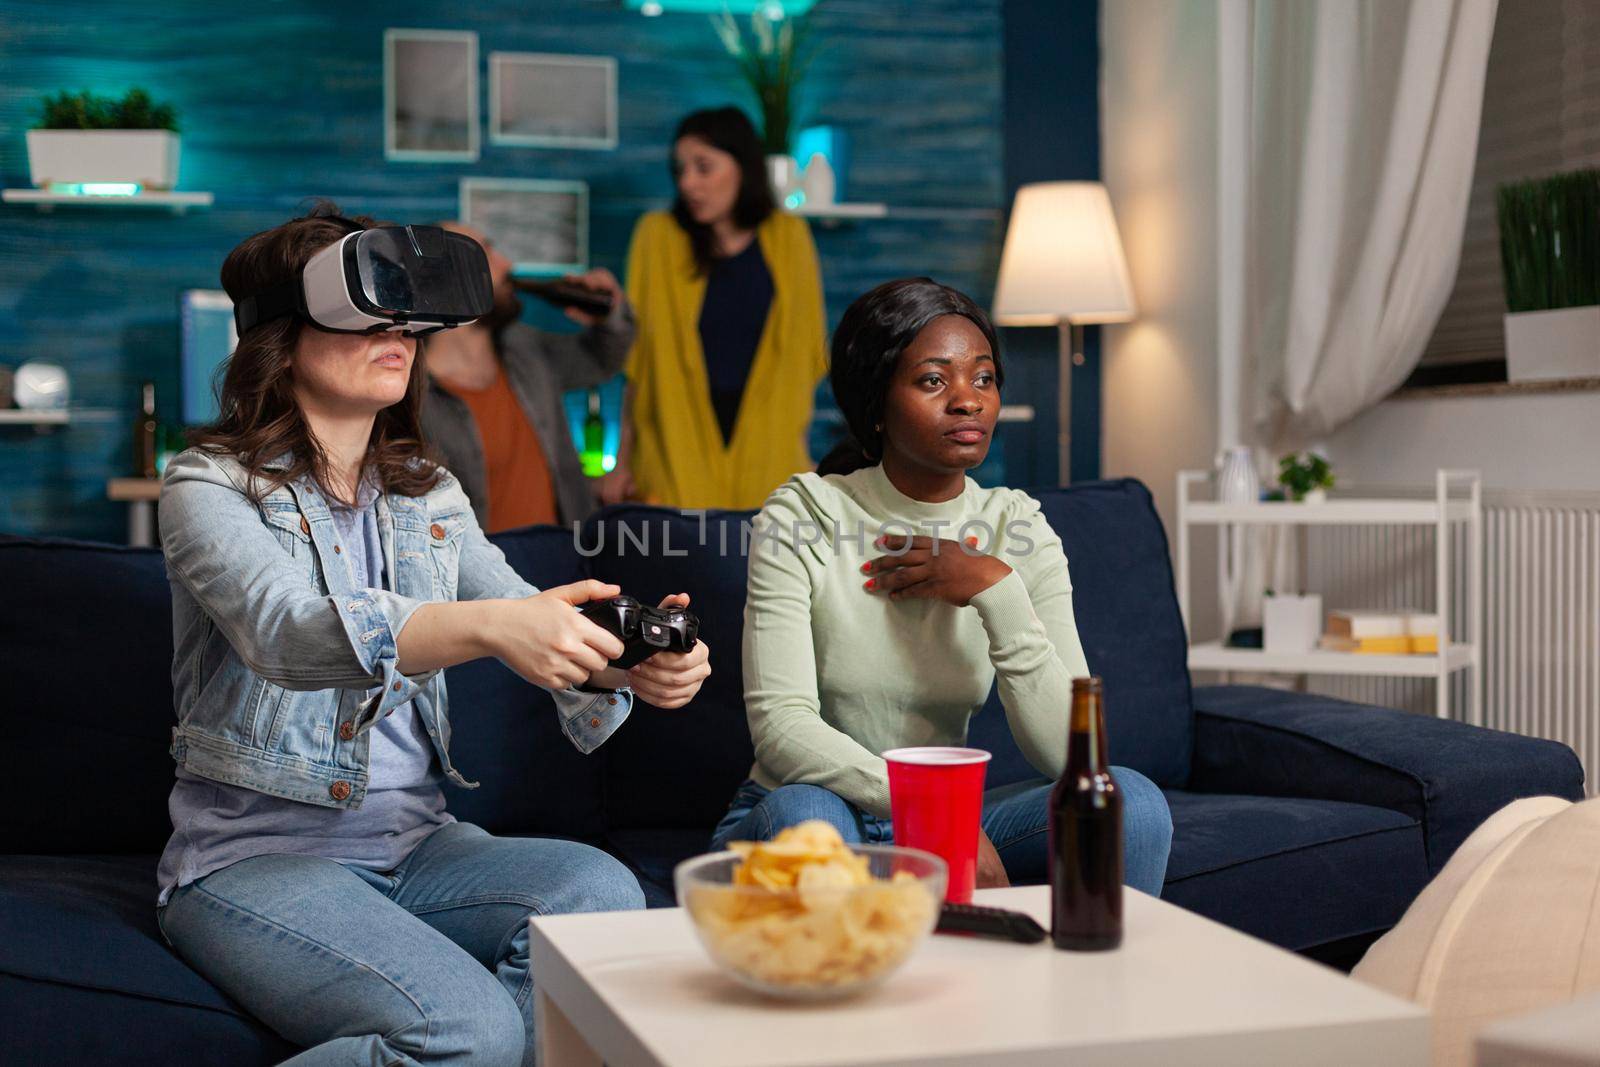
1382, 633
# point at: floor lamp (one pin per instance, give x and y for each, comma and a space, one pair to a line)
1063, 266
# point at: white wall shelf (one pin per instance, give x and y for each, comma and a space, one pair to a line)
1214, 656
1331, 513
833, 214
45, 200
23, 417
47, 420
842, 211
1457, 499
1008, 413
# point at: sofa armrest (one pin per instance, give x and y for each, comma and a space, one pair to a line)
1447, 775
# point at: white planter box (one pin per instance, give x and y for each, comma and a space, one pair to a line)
1564, 343
1291, 624
146, 157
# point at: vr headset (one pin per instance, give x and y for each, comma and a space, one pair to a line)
411, 279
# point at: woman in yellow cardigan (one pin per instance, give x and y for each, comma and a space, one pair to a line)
730, 346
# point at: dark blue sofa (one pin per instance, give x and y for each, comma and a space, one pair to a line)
1302, 820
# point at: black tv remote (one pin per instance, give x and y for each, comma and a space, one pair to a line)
989, 922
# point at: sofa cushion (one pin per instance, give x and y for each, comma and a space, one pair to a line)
506, 735
1295, 872
46, 1023
1128, 621
85, 975
679, 768
1449, 775
87, 700
90, 921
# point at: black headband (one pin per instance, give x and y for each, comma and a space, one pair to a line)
286, 298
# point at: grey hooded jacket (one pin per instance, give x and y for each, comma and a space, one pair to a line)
539, 367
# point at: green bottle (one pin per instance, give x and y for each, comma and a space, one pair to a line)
593, 456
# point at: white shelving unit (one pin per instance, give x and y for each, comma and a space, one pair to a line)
1457, 499
45, 200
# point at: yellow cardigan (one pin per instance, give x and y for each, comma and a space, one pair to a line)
679, 457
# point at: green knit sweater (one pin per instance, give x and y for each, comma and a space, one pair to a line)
835, 675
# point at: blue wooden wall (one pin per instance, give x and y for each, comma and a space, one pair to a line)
283, 101
1052, 133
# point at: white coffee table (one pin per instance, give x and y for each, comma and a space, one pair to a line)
635, 988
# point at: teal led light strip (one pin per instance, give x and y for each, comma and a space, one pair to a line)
96, 188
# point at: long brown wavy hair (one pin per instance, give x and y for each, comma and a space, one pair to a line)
259, 419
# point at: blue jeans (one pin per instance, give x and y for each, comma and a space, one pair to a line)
427, 963
1016, 818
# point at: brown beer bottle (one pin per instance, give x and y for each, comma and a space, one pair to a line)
1086, 833
144, 434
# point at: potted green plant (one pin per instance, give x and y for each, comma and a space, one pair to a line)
1550, 258
1305, 476
86, 139
772, 58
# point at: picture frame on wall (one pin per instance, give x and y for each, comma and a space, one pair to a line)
430, 95
541, 226
542, 100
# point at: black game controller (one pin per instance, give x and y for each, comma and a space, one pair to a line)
644, 631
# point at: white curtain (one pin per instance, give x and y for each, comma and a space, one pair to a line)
1347, 135
1361, 134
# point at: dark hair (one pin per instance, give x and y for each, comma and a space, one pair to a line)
729, 130
259, 418
867, 346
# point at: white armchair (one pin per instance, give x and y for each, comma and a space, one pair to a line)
1567, 1035
1510, 926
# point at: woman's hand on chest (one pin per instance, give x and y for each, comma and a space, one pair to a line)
930, 568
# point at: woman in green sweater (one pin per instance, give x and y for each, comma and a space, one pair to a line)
888, 591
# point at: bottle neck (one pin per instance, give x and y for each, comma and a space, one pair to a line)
1086, 743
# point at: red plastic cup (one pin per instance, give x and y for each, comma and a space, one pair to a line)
936, 799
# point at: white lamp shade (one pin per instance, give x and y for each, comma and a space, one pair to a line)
1063, 259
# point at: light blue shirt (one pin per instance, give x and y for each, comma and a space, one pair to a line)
216, 825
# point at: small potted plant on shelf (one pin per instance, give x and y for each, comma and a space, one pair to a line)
88, 140
1305, 476
1550, 256
772, 58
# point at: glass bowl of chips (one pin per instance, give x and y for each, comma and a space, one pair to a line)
805, 916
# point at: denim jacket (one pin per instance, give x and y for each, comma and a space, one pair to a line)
275, 651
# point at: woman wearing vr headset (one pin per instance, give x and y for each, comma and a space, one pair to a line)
857, 643
323, 573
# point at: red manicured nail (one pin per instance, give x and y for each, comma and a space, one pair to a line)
872, 583
866, 568
973, 541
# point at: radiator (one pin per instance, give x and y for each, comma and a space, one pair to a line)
1541, 617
